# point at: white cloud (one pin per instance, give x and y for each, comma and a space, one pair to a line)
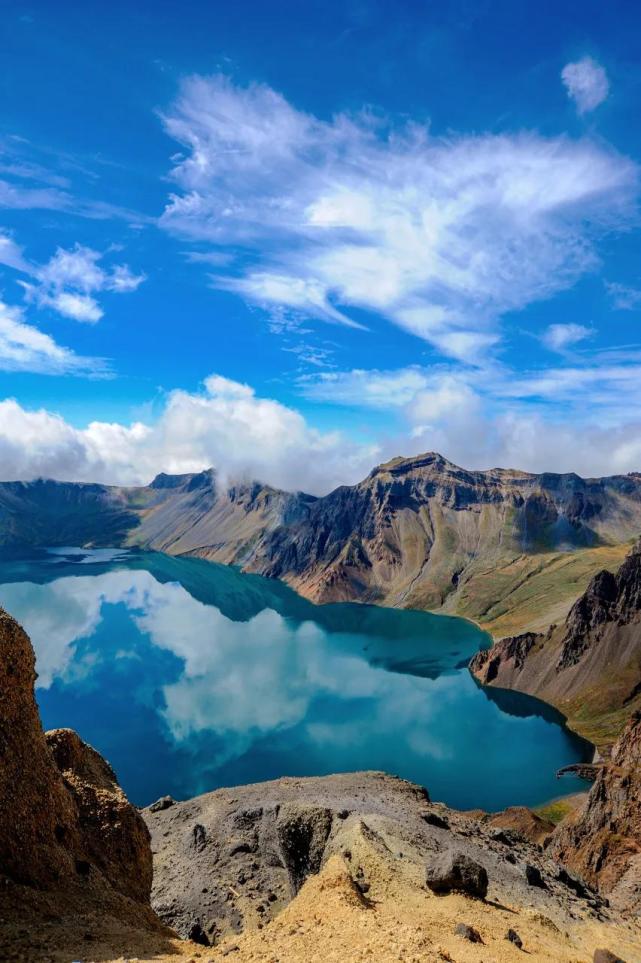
623, 297
67, 282
370, 389
80, 307
226, 426
11, 254
584, 419
439, 235
586, 83
25, 348
560, 337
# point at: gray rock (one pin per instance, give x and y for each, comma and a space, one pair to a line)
514, 937
574, 883
534, 877
163, 803
433, 819
454, 871
468, 933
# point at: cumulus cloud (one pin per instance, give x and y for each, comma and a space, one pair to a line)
439, 235
70, 279
560, 337
226, 426
585, 419
24, 348
586, 83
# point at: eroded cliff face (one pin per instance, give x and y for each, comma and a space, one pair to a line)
74, 853
603, 841
589, 666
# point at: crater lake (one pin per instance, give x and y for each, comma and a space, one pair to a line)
188, 676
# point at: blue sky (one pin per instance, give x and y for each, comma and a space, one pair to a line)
292, 240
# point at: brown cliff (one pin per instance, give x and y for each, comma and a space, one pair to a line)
602, 842
75, 859
590, 665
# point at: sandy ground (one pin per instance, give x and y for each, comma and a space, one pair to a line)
331, 922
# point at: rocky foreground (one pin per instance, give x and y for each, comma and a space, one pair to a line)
354, 867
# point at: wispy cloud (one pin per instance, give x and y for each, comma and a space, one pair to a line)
561, 337
68, 282
25, 348
622, 296
38, 184
586, 83
441, 236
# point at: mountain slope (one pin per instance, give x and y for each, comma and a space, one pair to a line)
590, 665
509, 549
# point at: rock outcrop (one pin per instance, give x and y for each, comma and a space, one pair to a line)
230, 861
115, 839
506, 548
74, 854
602, 841
589, 666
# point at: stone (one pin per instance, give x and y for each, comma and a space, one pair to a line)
197, 934
534, 877
433, 819
454, 871
70, 817
302, 833
573, 882
165, 802
605, 956
468, 933
514, 937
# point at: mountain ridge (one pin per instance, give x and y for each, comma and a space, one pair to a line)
510, 550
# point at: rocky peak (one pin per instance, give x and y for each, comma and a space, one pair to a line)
189, 481
430, 461
608, 598
592, 610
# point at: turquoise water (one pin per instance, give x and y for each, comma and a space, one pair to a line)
188, 676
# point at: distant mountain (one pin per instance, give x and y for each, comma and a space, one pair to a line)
589, 666
509, 549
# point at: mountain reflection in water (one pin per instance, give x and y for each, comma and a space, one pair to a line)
188, 675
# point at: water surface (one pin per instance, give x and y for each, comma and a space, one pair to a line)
188, 676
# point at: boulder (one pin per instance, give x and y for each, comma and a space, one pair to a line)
455, 872
534, 877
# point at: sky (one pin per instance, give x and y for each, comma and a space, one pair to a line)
293, 240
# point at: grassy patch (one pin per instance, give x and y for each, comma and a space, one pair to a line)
530, 592
557, 810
